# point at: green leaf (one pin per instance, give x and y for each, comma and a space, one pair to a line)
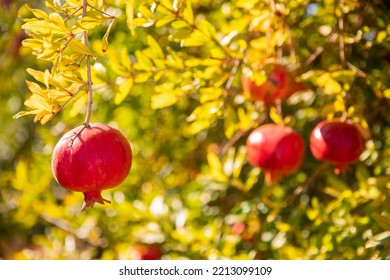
163, 100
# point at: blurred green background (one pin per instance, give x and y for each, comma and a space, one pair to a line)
191, 192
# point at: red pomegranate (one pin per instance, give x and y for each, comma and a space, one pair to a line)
278, 150
147, 251
338, 142
92, 158
279, 85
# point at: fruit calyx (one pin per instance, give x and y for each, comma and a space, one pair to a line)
90, 198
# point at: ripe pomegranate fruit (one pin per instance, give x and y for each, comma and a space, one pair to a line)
91, 158
279, 85
338, 142
278, 150
147, 252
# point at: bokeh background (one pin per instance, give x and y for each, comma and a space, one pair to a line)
191, 194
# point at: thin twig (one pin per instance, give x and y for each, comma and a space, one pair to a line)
357, 70
341, 34
73, 13
232, 74
100, 11
67, 101
239, 134
89, 76
313, 56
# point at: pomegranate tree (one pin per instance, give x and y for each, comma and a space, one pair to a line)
278, 150
279, 85
338, 142
91, 158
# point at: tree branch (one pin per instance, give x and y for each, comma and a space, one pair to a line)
89, 76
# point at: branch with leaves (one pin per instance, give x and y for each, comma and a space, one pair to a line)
61, 39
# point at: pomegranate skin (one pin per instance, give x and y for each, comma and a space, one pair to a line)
337, 142
279, 85
278, 150
97, 158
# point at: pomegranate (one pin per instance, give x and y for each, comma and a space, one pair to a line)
337, 142
279, 85
278, 150
147, 251
91, 158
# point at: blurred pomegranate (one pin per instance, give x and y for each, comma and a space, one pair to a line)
278, 150
279, 85
337, 142
147, 251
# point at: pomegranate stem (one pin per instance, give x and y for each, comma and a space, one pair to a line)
89, 76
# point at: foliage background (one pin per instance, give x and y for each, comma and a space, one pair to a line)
190, 183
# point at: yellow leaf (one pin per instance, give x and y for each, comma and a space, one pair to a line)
34, 88
155, 47
24, 113
43, 117
386, 93
164, 21
216, 167
38, 13
196, 39
88, 23
130, 16
37, 102
163, 100
105, 37
32, 44
273, 114
40, 77
79, 47
330, 85
44, 27
124, 90
46, 78
58, 20
188, 14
